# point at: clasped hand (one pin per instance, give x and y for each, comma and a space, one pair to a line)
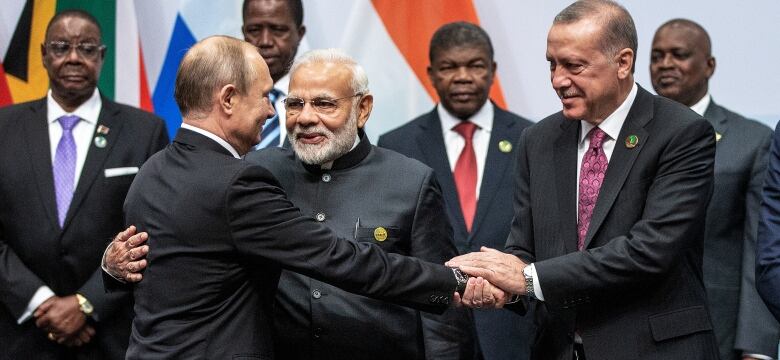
62, 319
492, 272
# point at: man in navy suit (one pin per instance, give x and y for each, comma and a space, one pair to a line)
480, 207
768, 247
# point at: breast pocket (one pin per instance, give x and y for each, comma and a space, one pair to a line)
387, 237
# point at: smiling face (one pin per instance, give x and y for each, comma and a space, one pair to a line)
72, 77
462, 76
322, 135
590, 84
680, 63
269, 25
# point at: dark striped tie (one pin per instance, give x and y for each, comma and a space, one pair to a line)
270, 134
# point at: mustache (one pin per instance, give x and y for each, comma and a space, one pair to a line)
568, 92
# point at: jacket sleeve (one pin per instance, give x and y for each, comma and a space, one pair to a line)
768, 241
266, 226
757, 330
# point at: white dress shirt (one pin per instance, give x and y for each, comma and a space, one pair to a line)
611, 126
454, 142
701, 106
82, 132
214, 137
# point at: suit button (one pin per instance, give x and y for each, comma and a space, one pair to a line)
326, 177
432, 299
316, 294
317, 332
320, 217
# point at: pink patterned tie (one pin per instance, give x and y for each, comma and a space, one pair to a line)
594, 166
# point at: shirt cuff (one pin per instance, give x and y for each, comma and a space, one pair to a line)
531, 270
42, 294
103, 263
758, 356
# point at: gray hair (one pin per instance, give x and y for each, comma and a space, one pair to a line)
335, 56
619, 29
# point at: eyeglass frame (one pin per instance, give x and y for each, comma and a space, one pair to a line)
311, 102
79, 49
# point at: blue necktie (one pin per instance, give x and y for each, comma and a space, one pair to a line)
65, 166
270, 135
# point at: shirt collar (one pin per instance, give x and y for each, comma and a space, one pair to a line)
89, 111
483, 118
614, 122
212, 136
701, 106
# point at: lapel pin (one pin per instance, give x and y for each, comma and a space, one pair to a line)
100, 141
380, 234
718, 136
102, 129
632, 141
505, 146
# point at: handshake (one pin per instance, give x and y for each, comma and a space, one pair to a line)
495, 277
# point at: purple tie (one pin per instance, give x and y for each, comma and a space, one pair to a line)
65, 166
594, 166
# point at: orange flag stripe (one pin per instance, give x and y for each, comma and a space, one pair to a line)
411, 23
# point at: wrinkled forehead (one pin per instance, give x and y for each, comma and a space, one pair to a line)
321, 79
73, 28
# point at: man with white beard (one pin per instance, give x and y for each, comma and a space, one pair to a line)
367, 194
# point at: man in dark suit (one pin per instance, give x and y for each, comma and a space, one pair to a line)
681, 64
315, 320
67, 162
276, 28
614, 249
221, 228
768, 248
462, 70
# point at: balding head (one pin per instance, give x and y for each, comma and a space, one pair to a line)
618, 29
681, 61
222, 87
209, 65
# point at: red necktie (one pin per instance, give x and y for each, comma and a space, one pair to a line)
466, 173
594, 166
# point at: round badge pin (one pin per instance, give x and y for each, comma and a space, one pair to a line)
632, 141
718, 136
505, 146
380, 234
100, 141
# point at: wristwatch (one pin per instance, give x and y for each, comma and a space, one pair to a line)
529, 283
84, 305
462, 279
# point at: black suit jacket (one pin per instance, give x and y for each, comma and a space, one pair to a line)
357, 194
740, 319
35, 251
636, 292
502, 334
220, 231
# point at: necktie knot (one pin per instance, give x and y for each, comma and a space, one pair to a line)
68, 122
597, 137
466, 129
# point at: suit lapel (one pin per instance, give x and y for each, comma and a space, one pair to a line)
496, 165
565, 170
622, 159
717, 118
431, 143
39, 148
93, 165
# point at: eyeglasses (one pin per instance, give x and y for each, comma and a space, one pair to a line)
87, 51
322, 105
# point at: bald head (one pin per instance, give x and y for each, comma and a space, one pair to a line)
208, 66
681, 61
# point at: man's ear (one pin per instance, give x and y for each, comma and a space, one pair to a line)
625, 62
227, 98
364, 109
